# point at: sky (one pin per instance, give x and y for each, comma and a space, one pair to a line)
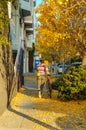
38, 2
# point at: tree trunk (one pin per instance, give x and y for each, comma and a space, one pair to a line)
84, 59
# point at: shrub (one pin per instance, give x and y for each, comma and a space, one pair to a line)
72, 85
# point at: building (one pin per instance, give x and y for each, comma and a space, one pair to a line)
22, 36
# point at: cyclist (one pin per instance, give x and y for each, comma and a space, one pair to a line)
42, 71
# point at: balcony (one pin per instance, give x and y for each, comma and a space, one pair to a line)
28, 22
29, 31
25, 8
34, 1
29, 41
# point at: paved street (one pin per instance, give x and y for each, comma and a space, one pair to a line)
28, 112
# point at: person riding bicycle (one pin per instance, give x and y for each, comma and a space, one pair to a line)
42, 72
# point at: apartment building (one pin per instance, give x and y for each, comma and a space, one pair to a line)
22, 36
29, 24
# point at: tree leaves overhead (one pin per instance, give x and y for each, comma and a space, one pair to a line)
61, 26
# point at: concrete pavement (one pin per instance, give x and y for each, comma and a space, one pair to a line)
25, 113
28, 112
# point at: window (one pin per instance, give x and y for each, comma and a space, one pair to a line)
26, 0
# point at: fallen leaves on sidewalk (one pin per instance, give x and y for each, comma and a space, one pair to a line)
70, 114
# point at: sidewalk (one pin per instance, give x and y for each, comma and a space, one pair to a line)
28, 112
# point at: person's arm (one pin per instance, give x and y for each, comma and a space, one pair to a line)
47, 70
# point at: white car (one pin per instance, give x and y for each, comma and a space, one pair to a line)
60, 68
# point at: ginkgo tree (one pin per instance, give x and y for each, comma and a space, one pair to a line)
76, 13
61, 31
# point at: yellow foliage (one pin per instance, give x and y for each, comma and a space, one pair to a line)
60, 26
46, 62
48, 111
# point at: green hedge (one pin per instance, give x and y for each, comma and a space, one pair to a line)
72, 85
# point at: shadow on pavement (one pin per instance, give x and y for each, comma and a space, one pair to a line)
33, 119
29, 91
30, 87
34, 93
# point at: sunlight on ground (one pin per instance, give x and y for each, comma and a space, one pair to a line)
70, 113
50, 113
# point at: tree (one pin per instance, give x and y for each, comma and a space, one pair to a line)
4, 20
61, 29
7, 69
76, 13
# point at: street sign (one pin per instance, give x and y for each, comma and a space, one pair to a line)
37, 61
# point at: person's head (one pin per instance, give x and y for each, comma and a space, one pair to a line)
42, 60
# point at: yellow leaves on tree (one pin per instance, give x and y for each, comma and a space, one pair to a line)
62, 27
52, 33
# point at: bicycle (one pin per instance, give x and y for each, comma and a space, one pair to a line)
47, 85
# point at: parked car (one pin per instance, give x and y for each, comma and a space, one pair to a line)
61, 68
76, 64
52, 67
